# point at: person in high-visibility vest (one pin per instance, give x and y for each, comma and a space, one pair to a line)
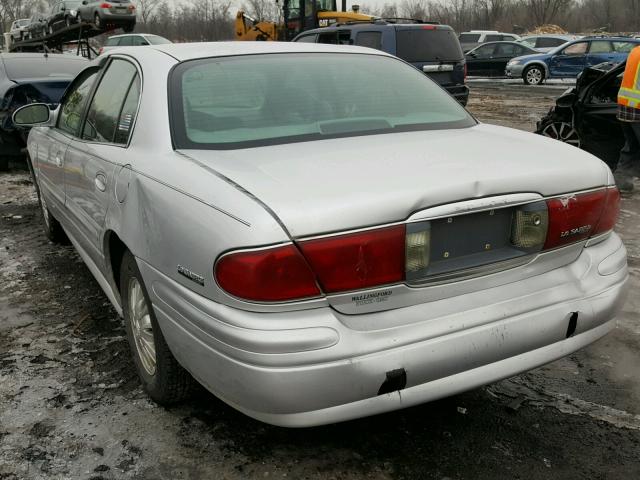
629, 114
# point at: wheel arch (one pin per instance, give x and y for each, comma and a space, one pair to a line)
537, 63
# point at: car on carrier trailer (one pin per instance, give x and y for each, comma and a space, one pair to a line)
318, 233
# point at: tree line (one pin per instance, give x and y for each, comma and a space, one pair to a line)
210, 20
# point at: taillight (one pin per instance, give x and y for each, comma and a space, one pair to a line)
576, 217
105, 5
132, 7
101, 50
357, 260
268, 275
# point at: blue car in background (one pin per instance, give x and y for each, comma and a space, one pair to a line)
570, 59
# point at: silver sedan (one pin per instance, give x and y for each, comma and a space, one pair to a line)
317, 233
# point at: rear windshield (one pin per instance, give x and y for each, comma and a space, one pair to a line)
469, 37
420, 45
247, 101
20, 67
156, 40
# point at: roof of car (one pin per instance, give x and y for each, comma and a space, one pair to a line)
189, 51
134, 35
376, 25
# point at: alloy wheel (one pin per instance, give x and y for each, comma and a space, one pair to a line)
141, 327
563, 131
534, 76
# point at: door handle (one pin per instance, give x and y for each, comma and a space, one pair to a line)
100, 182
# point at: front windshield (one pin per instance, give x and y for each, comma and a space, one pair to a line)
23, 23
253, 100
295, 6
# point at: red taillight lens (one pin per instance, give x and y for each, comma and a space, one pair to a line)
573, 218
610, 212
105, 5
357, 260
270, 275
132, 7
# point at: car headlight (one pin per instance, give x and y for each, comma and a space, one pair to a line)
513, 62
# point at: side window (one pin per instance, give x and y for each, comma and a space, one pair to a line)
624, 47
549, 42
579, 48
111, 42
509, 38
493, 38
138, 41
74, 103
369, 39
125, 41
308, 39
529, 42
600, 46
128, 113
343, 37
506, 49
104, 111
484, 51
521, 51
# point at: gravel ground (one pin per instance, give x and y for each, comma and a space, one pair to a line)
71, 406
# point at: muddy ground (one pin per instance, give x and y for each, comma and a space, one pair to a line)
71, 406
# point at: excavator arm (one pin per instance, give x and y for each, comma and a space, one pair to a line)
248, 28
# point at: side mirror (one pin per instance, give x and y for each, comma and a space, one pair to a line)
32, 115
567, 101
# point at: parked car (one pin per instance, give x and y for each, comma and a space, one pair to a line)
432, 49
27, 78
37, 26
405, 256
132, 40
470, 40
18, 28
63, 14
586, 116
109, 15
568, 60
546, 43
490, 59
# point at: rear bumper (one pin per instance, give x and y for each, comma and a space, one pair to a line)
306, 368
109, 17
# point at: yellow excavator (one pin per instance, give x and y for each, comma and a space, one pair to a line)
297, 16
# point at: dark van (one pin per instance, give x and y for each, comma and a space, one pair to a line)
432, 49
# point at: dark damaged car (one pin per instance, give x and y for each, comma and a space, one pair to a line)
30, 78
585, 116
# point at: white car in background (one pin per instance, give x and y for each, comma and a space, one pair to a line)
18, 28
311, 252
133, 40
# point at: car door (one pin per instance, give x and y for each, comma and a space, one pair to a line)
51, 151
600, 51
501, 56
570, 61
92, 159
479, 60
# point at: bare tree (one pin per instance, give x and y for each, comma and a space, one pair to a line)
147, 8
267, 10
547, 11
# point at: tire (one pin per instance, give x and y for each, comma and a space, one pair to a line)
52, 228
533, 75
4, 164
162, 377
129, 27
561, 130
67, 21
97, 22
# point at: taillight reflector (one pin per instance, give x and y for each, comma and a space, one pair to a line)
105, 5
573, 218
268, 275
357, 260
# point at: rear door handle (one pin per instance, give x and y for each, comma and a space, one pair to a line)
100, 182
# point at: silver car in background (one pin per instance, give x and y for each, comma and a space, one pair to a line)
107, 15
18, 28
132, 40
311, 252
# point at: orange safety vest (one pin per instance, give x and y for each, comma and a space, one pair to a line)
629, 94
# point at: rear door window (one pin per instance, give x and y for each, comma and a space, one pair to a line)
485, 51
508, 38
530, 42
427, 45
492, 38
111, 42
342, 37
104, 113
138, 41
369, 39
506, 50
126, 41
600, 46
